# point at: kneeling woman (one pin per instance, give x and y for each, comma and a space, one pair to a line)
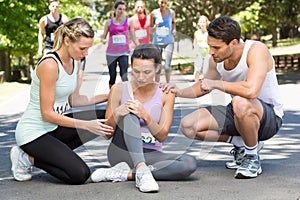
45, 136
142, 115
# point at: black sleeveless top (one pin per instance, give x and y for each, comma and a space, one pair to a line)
50, 29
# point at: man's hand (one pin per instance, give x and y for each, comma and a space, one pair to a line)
169, 87
207, 85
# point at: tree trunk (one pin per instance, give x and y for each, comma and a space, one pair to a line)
3, 60
8, 66
274, 37
30, 66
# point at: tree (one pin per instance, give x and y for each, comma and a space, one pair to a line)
279, 15
19, 29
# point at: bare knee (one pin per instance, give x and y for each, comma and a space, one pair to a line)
187, 128
241, 106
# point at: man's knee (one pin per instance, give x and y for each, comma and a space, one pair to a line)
241, 106
187, 128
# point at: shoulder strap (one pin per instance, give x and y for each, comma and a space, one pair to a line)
129, 88
52, 55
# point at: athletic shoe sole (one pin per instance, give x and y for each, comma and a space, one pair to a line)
248, 176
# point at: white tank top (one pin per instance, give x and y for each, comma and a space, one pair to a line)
269, 92
32, 125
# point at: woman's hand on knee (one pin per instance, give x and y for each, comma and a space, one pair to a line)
98, 127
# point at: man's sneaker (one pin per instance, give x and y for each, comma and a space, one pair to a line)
249, 168
144, 180
21, 171
117, 173
238, 154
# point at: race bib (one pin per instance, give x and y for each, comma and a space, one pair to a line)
52, 37
119, 39
141, 34
61, 107
162, 31
148, 138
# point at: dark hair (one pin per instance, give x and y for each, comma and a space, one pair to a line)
50, 1
119, 2
145, 52
224, 28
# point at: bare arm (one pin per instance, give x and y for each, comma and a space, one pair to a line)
158, 130
259, 62
76, 99
105, 32
42, 24
47, 99
161, 130
173, 23
152, 20
113, 109
132, 33
194, 90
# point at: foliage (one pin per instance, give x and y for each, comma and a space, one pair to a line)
19, 19
278, 15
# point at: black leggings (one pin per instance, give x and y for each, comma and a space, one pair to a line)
53, 152
164, 166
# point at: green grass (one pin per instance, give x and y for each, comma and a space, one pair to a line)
10, 89
284, 42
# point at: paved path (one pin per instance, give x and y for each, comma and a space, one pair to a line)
280, 156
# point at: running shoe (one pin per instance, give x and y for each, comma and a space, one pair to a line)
117, 173
144, 180
249, 168
238, 154
21, 171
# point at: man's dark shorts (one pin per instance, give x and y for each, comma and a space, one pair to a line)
269, 124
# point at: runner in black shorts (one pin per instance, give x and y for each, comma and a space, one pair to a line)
246, 71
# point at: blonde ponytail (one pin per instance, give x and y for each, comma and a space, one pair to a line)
73, 29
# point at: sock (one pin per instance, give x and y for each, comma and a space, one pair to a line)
251, 150
237, 141
25, 157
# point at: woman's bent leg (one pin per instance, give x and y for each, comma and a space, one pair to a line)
59, 160
127, 144
170, 166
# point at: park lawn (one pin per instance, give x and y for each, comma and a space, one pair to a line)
10, 89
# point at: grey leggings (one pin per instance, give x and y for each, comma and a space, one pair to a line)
127, 146
167, 49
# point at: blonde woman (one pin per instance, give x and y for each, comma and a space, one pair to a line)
201, 48
45, 137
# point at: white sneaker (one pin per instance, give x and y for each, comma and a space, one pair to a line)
238, 155
20, 169
144, 180
117, 173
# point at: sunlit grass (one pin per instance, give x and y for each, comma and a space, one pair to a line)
284, 42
